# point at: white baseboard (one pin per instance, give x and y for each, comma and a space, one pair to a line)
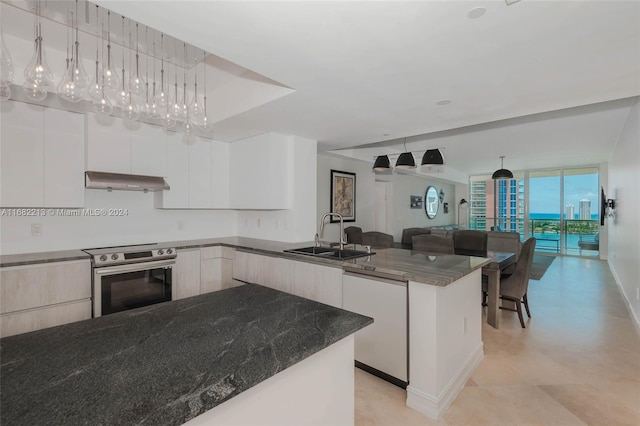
634, 317
434, 407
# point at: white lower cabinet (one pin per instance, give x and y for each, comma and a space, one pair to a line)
312, 281
202, 270
186, 274
382, 345
44, 295
216, 268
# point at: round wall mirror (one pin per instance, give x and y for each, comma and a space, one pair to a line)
431, 202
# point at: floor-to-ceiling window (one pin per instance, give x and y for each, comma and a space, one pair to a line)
559, 207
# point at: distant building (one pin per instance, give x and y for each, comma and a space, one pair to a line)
506, 204
570, 212
585, 209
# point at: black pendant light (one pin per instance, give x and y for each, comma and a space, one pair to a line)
432, 157
405, 160
382, 164
502, 173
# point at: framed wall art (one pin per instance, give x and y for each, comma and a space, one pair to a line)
343, 195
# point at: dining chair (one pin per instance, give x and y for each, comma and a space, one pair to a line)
354, 234
469, 242
377, 239
515, 286
432, 244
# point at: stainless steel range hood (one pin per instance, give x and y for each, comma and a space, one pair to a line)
124, 182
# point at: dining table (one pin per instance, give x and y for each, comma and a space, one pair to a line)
498, 262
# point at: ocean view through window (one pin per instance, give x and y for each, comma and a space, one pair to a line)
559, 207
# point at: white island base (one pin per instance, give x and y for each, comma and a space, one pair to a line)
445, 341
316, 391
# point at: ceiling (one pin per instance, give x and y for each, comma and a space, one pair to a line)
367, 73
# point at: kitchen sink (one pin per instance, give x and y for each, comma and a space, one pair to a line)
329, 252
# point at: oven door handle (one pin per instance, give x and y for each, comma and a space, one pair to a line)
142, 266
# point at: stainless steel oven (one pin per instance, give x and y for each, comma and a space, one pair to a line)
130, 277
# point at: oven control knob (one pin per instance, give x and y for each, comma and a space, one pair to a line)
160, 252
169, 251
103, 257
114, 256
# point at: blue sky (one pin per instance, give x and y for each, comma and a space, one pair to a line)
545, 193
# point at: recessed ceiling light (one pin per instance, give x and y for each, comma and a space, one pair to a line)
443, 102
476, 12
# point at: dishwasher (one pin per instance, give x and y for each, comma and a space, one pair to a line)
381, 348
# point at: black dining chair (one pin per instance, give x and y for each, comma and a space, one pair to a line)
354, 234
469, 242
432, 244
377, 239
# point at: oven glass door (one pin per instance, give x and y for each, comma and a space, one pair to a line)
120, 290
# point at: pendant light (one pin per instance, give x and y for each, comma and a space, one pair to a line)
502, 173
405, 160
109, 75
206, 126
122, 97
137, 85
175, 110
382, 164
432, 157
37, 75
146, 109
6, 71
196, 113
75, 80
101, 103
95, 87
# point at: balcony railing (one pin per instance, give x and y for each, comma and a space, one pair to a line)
573, 237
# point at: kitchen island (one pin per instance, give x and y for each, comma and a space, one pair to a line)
181, 361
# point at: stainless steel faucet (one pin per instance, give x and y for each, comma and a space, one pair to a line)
343, 241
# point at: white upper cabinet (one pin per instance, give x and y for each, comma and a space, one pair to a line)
42, 157
148, 150
200, 190
64, 158
119, 146
198, 174
262, 172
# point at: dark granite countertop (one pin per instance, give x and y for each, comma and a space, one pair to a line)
162, 364
393, 263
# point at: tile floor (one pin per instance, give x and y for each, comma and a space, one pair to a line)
576, 363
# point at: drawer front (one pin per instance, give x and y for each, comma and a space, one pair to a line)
50, 316
33, 286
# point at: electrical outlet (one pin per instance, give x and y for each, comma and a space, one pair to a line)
36, 229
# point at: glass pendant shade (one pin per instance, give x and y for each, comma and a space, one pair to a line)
37, 75
146, 110
432, 157
94, 92
6, 71
103, 106
176, 109
137, 85
502, 173
206, 124
123, 96
74, 83
406, 161
196, 112
167, 120
188, 128
130, 111
382, 164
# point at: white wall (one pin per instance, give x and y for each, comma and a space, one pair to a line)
365, 194
142, 224
404, 186
298, 223
624, 230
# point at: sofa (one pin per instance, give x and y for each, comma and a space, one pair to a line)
441, 231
